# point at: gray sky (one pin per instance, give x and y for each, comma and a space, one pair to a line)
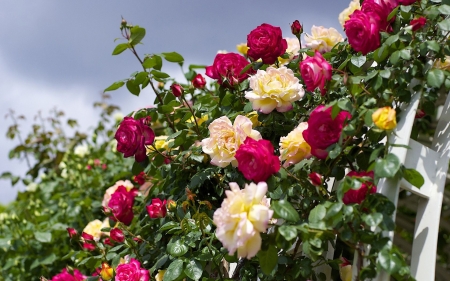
58, 53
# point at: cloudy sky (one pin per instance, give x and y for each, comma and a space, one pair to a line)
58, 53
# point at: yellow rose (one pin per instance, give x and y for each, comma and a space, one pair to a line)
345, 14
293, 147
443, 65
93, 228
385, 118
160, 275
242, 48
199, 120
293, 46
323, 39
107, 272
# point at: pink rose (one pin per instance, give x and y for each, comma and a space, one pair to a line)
380, 9
323, 130
418, 23
121, 205
72, 232
66, 276
363, 31
117, 235
256, 160
316, 71
266, 42
132, 136
227, 68
406, 2
87, 237
199, 81
88, 246
131, 271
358, 195
177, 90
157, 209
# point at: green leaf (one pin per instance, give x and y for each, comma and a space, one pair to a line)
289, 232
387, 167
114, 86
283, 209
444, 9
159, 74
177, 248
433, 46
174, 270
435, 78
373, 220
392, 14
173, 57
413, 177
444, 25
392, 39
140, 77
137, 34
193, 270
44, 237
135, 90
389, 261
120, 48
317, 214
268, 259
358, 61
385, 73
395, 57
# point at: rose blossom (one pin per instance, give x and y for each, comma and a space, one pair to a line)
274, 88
116, 234
66, 276
345, 14
93, 228
293, 148
418, 23
225, 139
199, 81
132, 136
227, 68
385, 118
358, 195
157, 209
323, 39
323, 130
131, 271
244, 214
380, 10
121, 205
266, 42
292, 50
127, 184
296, 28
363, 31
316, 71
256, 160
107, 271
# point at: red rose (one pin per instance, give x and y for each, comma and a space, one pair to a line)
406, 2
256, 160
380, 10
140, 178
117, 235
108, 241
358, 195
121, 204
418, 23
315, 178
266, 42
199, 81
316, 71
177, 90
66, 276
296, 28
87, 237
227, 68
88, 246
157, 209
72, 232
323, 130
131, 271
132, 136
363, 31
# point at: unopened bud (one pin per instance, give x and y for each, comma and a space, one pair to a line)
171, 205
123, 23
177, 90
107, 271
296, 28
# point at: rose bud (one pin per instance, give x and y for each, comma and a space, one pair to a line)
315, 178
199, 81
420, 113
140, 178
107, 271
167, 160
117, 235
87, 237
72, 232
108, 241
157, 209
385, 118
104, 166
177, 90
296, 28
137, 239
418, 23
88, 246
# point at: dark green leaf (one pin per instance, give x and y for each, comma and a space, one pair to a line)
283, 209
159, 74
387, 167
268, 259
317, 214
114, 86
289, 232
444, 25
135, 90
193, 270
173, 57
44, 237
120, 48
174, 270
373, 220
389, 261
435, 77
358, 61
413, 177
444, 9
137, 34
176, 247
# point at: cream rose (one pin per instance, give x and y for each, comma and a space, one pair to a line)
323, 39
225, 139
292, 49
345, 14
274, 88
293, 147
93, 228
244, 214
